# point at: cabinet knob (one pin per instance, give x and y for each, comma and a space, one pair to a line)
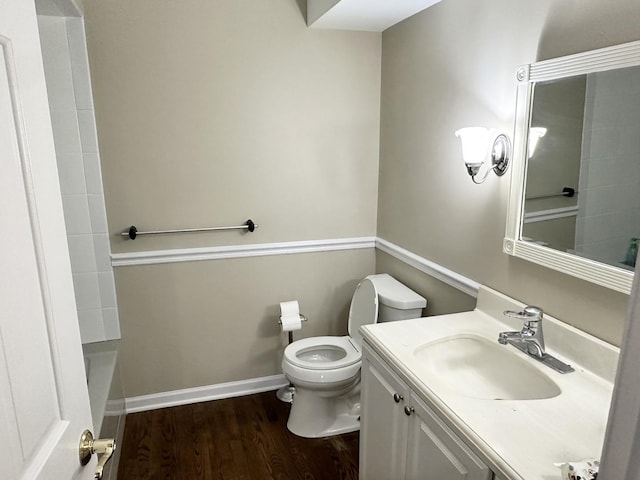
409, 410
397, 397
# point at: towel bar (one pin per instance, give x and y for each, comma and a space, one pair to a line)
566, 192
133, 232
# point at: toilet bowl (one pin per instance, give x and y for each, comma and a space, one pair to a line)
325, 371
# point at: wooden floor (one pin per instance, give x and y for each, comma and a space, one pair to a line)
238, 438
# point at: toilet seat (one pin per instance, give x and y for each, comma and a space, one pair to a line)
331, 353
322, 353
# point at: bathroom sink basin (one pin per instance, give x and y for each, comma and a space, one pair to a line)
473, 366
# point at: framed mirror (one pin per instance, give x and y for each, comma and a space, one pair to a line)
574, 203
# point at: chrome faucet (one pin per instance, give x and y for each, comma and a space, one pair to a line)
531, 334
530, 339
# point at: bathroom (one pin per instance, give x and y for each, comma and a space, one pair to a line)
339, 144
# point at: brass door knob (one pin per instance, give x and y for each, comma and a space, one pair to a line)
103, 447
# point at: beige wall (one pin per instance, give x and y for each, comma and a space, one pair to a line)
210, 113
441, 298
453, 66
203, 323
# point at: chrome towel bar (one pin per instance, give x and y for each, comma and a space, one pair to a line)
566, 192
132, 232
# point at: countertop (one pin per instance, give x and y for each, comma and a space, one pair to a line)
518, 439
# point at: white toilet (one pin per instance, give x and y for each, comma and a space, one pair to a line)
325, 371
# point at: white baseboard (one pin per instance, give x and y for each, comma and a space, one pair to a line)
204, 394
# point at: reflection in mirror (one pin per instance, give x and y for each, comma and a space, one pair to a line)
582, 192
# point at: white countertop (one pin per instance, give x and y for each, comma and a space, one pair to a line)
519, 439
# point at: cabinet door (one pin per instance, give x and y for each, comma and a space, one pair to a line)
383, 424
435, 452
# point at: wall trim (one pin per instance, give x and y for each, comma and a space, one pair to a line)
239, 251
462, 283
204, 394
551, 214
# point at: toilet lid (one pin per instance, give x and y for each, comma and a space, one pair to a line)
363, 311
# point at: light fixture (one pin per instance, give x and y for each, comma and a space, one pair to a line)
535, 134
478, 144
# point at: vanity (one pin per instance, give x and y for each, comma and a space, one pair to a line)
442, 399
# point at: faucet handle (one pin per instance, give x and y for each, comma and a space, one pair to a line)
530, 313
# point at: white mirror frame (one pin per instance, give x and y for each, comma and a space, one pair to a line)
619, 56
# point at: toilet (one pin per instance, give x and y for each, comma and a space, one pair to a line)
325, 371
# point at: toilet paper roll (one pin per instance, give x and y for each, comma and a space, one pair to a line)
289, 308
290, 316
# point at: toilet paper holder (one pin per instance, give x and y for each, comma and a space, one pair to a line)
302, 319
286, 393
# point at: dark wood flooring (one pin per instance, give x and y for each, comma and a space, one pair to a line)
238, 438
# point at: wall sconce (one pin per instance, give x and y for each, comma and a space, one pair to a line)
535, 134
479, 143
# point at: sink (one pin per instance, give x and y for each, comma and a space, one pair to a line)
475, 367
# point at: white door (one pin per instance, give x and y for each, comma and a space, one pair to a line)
44, 404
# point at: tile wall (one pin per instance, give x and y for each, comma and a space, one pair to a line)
609, 198
71, 105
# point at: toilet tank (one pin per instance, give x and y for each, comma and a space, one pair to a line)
395, 300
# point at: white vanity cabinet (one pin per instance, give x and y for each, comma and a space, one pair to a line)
402, 438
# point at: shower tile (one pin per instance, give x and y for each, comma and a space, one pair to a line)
66, 135
111, 323
81, 251
82, 86
71, 174
103, 255
107, 286
79, 63
98, 213
87, 291
76, 214
55, 59
92, 173
87, 125
76, 39
91, 326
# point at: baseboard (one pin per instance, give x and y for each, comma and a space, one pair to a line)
203, 394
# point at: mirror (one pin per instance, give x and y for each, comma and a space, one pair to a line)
575, 194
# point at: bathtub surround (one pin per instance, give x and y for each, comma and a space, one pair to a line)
211, 114
72, 116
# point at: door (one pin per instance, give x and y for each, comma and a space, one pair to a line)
44, 404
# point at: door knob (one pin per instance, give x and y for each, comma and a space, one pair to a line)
409, 410
397, 397
103, 447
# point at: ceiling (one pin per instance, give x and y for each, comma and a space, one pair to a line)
368, 15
